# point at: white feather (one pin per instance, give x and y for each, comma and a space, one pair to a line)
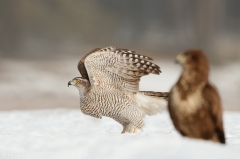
150, 105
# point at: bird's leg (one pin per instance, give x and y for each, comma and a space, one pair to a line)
127, 127
135, 130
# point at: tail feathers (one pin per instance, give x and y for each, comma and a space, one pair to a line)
151, 104
164, 95
221, 136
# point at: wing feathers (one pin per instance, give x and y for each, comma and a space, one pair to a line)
127, 54
81, 66
215, 109
130, 64
112, 64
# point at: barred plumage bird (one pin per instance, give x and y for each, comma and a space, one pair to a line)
109, 86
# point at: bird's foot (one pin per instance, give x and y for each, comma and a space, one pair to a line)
135, 130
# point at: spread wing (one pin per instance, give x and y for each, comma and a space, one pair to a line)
215, 109
81, 66
117, 68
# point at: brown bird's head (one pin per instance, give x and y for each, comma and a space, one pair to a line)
195, 66
79, 83
194, 59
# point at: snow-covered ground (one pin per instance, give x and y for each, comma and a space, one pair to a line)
67, 133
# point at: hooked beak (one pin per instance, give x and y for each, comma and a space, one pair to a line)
176, 61
179, 59
69, 83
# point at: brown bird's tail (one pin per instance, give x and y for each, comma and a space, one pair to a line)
221, 135
151, 103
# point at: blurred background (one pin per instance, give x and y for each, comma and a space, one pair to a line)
41, 42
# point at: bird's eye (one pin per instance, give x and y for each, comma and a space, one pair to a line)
78, 81
188, 55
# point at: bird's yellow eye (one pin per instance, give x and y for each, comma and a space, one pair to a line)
78, 81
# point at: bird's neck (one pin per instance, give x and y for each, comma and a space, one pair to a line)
83, 90
192, 79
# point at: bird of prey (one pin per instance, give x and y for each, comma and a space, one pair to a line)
109, 87
194, 103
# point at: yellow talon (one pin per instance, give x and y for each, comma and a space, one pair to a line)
135, 130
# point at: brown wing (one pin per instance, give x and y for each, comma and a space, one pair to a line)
122, 69
215, 109
81, 66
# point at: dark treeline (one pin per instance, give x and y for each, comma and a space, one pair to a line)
40, 28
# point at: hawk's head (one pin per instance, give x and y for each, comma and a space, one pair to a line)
79, 82
194, 59
195, 66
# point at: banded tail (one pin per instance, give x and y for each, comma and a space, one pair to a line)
163, 95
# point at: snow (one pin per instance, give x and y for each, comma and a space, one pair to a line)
67, 133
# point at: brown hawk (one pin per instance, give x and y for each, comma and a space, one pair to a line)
109, 86
194, 104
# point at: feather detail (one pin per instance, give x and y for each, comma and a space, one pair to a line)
150, 105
